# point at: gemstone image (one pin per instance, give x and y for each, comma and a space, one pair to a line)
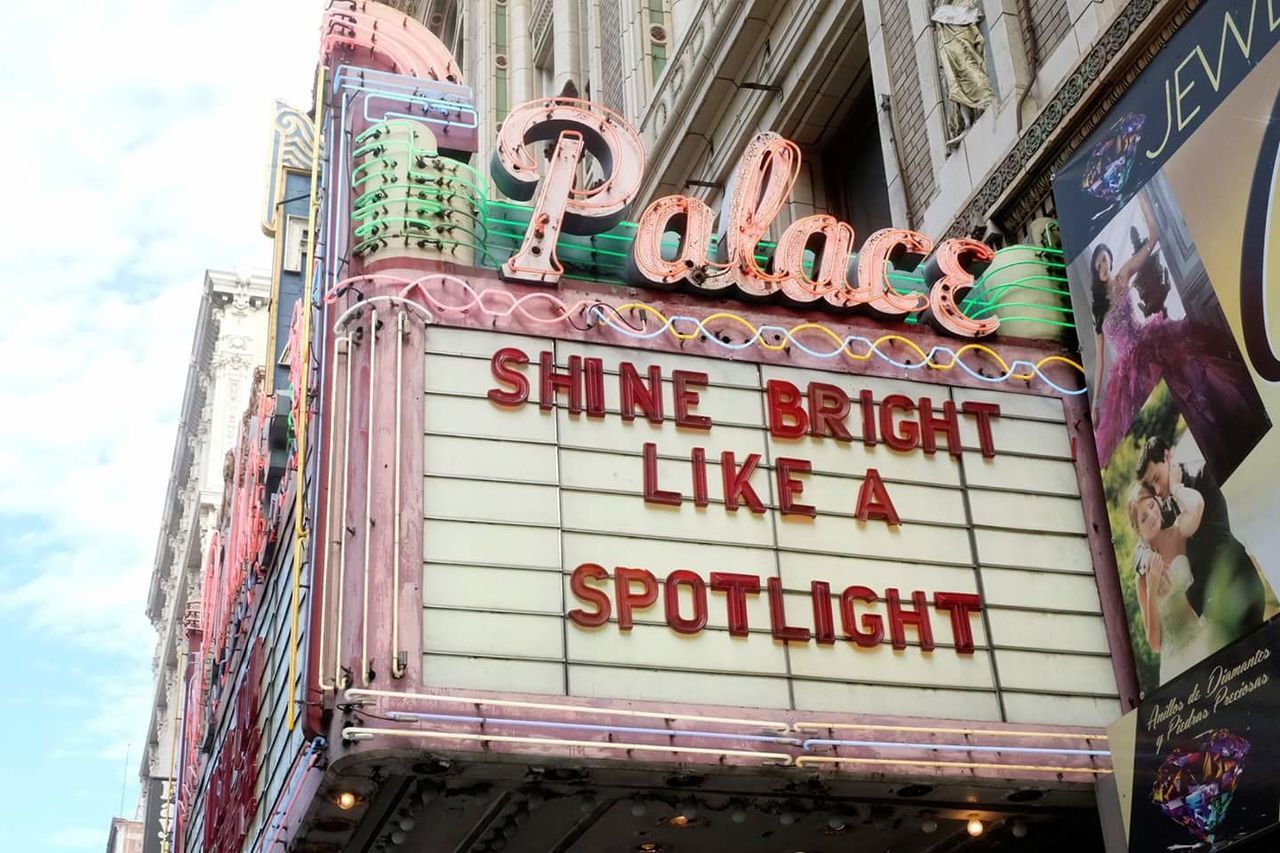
1195, 783
1112, 159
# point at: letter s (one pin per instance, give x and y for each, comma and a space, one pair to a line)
589, 595
500, 364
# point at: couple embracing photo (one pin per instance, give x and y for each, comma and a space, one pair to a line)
1198, 588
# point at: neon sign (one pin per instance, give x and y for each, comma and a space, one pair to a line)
757, 193
232, 801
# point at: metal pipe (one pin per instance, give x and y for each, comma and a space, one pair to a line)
397, 668
410, 716
823, 726
357, 693
952, 747
313, 754
328, 513
806, 760
354, 733
304, 352
368, 494
339, 679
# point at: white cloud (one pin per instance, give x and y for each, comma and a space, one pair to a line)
135, 153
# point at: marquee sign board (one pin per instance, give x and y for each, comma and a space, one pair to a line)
604, 522
635, 496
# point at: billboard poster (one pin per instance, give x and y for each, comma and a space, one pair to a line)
1168, 212
1205, 746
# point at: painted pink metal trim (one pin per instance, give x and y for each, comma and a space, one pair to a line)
1098, 530
403, 44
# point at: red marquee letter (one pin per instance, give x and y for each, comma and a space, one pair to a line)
628, 600
652, 494
872, 631
930, 425
737, 482
589, 595
903, 435
786, 412
500, 364
672, 601
634, 393
983, 412
778, 616
874, 500
828, 408
790, 488
900, 618
552, 381
824, 631
687, 399
961, 605
735, 587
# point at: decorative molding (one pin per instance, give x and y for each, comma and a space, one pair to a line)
1023, 178
540, 29
292, 137
412, 8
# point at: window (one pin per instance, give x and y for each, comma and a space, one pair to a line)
296, 242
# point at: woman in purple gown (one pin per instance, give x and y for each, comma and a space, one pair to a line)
1146, 346
1131, 373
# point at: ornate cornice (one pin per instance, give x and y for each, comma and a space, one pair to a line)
292, 138
1015, 190
412, 8
540, 31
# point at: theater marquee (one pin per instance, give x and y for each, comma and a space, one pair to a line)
634, 494
634, 524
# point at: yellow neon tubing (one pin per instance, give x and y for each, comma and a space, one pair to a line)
300, 429
837, 338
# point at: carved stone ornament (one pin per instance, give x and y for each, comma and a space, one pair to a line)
1027, 153
292, 138
962, 58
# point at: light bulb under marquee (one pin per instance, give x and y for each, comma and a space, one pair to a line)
975, 827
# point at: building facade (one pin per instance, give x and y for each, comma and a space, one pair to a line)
678, 440
229, 346
125, 837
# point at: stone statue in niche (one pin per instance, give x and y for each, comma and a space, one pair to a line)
962, 57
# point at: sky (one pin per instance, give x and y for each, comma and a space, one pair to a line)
135, 147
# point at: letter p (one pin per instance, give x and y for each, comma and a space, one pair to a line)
573, 125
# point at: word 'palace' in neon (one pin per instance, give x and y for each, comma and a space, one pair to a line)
757, 192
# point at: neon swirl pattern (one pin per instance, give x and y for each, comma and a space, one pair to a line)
547, 309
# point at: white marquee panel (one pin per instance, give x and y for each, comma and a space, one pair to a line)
516, 497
